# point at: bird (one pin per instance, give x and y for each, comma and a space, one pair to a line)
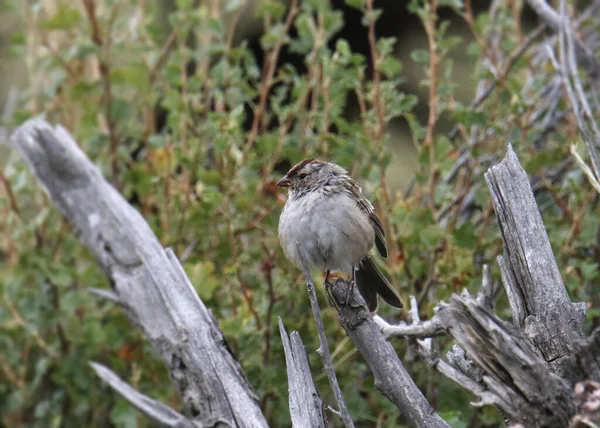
334, 224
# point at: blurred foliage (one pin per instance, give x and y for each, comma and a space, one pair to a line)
202, 173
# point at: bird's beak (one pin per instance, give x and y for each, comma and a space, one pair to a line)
284, 182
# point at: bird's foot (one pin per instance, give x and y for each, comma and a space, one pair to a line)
328, 293
351, 288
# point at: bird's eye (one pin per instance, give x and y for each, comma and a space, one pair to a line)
302, 176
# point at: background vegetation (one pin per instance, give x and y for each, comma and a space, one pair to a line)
193, 125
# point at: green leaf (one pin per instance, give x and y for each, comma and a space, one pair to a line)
216, 27
455, 419
431, 236
420, 56
157, 141
470, 117
123, 415
589, 271
371, 17
342, 47
202, 276
121, 110
18, 38
65, 18
274, 9
473, 49
357, 4
385, 45
390, 66
134, 75
464, 236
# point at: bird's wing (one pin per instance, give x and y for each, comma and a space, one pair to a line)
367, 207
380, 241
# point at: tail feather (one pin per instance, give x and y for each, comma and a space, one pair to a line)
364, 285
370, 282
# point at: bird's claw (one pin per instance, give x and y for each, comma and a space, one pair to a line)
330, 297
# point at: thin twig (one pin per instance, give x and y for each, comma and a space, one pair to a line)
34, 333
272, 300
10, 373
432, 75
164, 54
430, 328
268, 77
559, 23
104, 68
546, 13
14, 206
506, 70
567, 69
586, 169
323, 350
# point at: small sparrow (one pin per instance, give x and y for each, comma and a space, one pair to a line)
327, 214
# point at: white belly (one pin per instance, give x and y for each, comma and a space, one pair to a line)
334, 232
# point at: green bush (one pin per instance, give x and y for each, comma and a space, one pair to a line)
205, 183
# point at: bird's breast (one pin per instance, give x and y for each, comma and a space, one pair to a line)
331, 228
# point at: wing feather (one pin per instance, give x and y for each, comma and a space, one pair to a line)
380, 242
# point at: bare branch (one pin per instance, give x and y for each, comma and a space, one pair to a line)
546, 13
306, 406
152, 409
323, 350
428, 328
106, 294
148, 279
519, 382
558, 23
391, 378
569, 74
539, 301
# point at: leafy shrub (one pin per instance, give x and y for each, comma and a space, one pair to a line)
203, 177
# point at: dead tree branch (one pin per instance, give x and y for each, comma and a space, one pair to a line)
154, 410
306, 406
391, 378
529, 369
540, 305
147, 279
323, 350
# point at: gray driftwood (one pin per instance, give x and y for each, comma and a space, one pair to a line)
147, 280
306, 406
540, 305
529, 368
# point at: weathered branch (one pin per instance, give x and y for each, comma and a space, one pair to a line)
496, 364
540, 305
429, 328
323, 350
391, 378
306, 406
520, 382
152, 409
146, 278
527, 370
588, 128
460, 370
559, 23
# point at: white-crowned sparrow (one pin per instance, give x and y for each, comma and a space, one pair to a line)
327, 214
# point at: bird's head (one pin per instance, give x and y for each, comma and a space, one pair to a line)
312, 174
